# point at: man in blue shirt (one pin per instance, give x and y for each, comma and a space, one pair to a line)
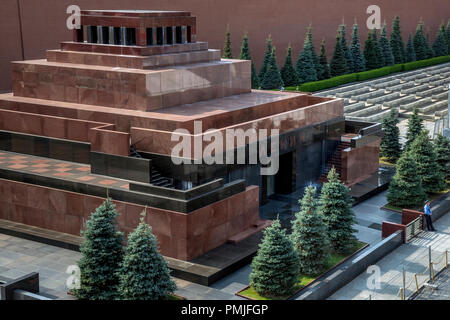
427, 211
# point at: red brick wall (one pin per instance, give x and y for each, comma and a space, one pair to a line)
43, 22
181, 236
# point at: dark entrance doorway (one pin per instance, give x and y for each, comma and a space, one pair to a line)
283, 179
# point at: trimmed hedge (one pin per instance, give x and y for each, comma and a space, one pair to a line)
366, 75
327, 83
425, 63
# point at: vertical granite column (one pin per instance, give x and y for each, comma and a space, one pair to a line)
164, 35
174, 34
99, 35
154, 36
123, 36
111, 35
183, 34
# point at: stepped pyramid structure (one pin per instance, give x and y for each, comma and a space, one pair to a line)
97, 116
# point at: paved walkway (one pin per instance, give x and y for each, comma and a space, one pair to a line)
442, 281
19, 257
412, 256
58, 169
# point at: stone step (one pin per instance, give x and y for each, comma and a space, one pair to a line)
416, 89
418, 103
398, 102
439, 96
401, 86
354, 107
369, 95
441, 113
430, 92
414, 77
366, 111
348, 94
386, 84
439, 82
433, 107
260, 225
384, 98
428, 79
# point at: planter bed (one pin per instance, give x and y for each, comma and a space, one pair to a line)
305, 280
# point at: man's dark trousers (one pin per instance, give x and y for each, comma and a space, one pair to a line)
429, 223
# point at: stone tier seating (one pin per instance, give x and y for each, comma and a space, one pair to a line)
372, 100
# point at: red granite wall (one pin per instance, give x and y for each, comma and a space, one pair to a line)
158, 141
181, 236
359, 163
388, 228
411, 215
43, 22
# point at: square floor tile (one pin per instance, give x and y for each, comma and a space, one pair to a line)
107, 182
63, 165
62, 174
17, 166
40, 170
40, 165
84, 169
86, 178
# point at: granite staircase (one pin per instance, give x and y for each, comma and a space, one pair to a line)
156, 178
159, 180
334, 161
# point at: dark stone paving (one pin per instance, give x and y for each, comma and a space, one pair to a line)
442, 281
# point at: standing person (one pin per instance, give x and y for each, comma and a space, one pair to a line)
427, 211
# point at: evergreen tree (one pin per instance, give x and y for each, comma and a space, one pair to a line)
390, 145
405, 189
448, 35
430, 52
442, 149
101, 255
420, 42
338, 63
267, 59
275, 268
440, 46
325, 68
410, 53
415, 127
309, 235
397, 45
288, 72
144, 274
428, 170
306, 70
380, 56
227, 50
345, 48
385, 47
359, 63
309, 45
371, 51
272, 77
245, 55
336, 207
